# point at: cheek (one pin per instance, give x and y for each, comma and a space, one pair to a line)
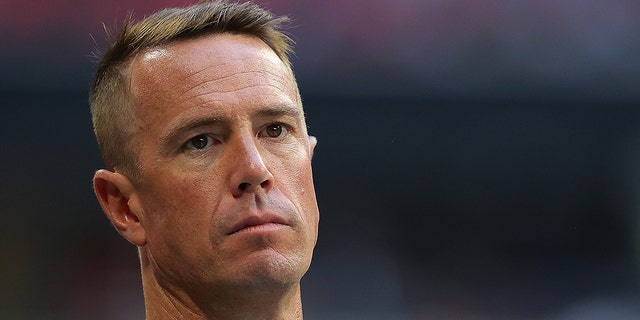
179, 219
180, 207
300, 184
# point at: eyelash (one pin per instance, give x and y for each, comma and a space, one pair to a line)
209, 142
286, 130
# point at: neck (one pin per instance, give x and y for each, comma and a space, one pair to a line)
163, 301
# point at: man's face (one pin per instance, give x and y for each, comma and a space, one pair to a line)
226, 194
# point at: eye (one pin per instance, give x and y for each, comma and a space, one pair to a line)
199, 142
275, 130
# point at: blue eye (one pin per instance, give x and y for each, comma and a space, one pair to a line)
199, 142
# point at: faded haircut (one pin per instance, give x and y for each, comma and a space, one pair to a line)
111, 106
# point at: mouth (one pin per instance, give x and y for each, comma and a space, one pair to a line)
264, 223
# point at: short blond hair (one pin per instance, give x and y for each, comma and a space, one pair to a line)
110, 102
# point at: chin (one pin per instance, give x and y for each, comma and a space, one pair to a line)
269, 270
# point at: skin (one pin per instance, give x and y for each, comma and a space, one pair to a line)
224, 213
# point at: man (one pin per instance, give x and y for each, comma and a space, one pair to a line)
200, 123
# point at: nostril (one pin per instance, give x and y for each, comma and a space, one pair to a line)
247, 186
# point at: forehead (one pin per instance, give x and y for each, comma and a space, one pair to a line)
207, 51
225, 68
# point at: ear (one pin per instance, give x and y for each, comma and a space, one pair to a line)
119, 201
313, 141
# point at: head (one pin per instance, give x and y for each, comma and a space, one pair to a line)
109, 97
200, 123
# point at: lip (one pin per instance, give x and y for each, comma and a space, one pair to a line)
258, 222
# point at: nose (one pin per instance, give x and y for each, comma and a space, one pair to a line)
249, 172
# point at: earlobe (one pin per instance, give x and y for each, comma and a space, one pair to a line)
119, 202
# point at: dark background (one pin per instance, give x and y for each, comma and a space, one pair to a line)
476, 160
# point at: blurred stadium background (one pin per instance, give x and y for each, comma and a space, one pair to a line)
477, 159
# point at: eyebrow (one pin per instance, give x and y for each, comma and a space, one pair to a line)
280, 110
168, 138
